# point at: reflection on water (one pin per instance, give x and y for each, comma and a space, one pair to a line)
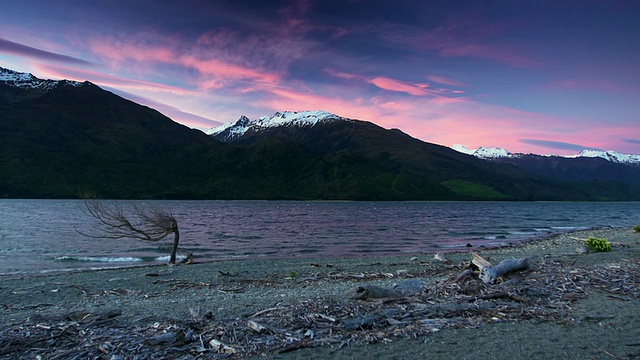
40, 235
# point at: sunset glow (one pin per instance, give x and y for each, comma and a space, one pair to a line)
541, 77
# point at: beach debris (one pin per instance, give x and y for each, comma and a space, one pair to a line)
255, 326
410, 287
225, 273
221, 347
417, 305
369, 292
489, 273
404, 288
464, 274
582, 249
440, 257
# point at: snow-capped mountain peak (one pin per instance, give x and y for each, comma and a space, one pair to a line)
610, 155
484, 153
493, 153
234, 130
463, 149
27, 80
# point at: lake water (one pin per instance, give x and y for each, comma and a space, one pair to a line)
40, 235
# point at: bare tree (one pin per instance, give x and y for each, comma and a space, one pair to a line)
114, 222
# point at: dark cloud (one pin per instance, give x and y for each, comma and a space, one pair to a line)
11, 47
556, 145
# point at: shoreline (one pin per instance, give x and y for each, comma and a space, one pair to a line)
217, 294
444, 250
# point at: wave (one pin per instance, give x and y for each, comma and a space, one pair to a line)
571, 228
100, 258
116, 259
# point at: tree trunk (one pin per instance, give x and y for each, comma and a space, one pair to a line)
174, 249
490, 274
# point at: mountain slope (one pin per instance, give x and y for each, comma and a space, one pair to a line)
405, 167
70, 138
60, 138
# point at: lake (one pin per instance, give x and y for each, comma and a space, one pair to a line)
41, 235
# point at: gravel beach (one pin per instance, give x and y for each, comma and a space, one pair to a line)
569, 304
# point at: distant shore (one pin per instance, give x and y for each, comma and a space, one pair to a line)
593, 319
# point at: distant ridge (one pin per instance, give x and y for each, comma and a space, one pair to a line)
496, 152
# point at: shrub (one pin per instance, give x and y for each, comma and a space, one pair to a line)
597, 244
636, 229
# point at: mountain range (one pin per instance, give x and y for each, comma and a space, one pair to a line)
496, 153
588, 168
59, 139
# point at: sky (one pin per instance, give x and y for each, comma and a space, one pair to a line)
543, 76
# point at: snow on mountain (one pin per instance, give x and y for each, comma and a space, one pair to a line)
234, 130
493, 153
610, 155
463, 149
28, 81
484, 153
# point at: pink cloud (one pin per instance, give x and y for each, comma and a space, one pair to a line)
134, 53
222, 72
343, 75
215, 72
400, 86
57, 72
395, 85
289, 99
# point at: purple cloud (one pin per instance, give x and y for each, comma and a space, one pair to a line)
13, 48
560, 145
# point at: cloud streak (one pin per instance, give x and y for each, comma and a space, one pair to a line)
557, 145
400, 86
10, 47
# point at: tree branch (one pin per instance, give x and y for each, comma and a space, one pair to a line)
113, 222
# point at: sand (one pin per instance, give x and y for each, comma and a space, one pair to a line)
601, 322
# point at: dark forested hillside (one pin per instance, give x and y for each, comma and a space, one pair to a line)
71, 138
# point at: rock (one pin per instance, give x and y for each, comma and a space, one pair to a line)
440, 257
374, 292
169, 338
410, 287
368, 320
582, 249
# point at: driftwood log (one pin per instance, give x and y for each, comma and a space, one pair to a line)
489, 273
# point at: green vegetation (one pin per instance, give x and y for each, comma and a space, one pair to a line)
598, 244
636, 229
473, 190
